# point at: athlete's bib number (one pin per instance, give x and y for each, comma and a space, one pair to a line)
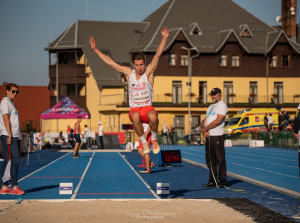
142, 97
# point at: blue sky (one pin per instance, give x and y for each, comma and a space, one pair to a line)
27, 27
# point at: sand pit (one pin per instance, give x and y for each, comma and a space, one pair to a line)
166, 210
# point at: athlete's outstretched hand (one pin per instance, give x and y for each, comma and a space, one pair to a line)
92, 42
165, 32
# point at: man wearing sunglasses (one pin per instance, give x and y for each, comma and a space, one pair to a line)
10, 137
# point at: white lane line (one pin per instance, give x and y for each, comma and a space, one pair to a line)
147, 185
257, 160
261, 153
43, 167
252, 167
252, 181
279, 164
269, 171
82, 177
193, 154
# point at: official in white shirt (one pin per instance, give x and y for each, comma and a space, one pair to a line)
100, 134
213, 129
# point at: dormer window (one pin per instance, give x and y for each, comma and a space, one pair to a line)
195, 30
245, 31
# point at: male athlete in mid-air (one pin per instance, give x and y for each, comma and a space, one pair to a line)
140, 85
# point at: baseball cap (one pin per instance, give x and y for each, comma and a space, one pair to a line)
99, 122
215, 91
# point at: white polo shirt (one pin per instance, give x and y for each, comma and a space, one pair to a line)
100, 132
213, 110
7, 107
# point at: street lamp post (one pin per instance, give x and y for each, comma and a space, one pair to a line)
189, 84
56, 68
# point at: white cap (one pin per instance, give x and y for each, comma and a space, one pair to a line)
99, 123
299, 106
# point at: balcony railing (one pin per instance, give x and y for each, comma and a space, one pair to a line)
237, 99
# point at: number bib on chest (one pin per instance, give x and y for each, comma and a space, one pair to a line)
141, 98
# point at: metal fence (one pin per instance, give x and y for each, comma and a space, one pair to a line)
276, 139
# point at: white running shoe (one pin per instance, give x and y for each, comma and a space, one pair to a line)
146, 149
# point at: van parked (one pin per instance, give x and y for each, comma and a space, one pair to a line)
251, 119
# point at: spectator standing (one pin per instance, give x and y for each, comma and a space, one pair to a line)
286, 119
270, 122
173, 136
10, 137
87, 136
100, 134
266, 121
165, 134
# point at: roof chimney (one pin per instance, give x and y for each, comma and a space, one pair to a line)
288, 18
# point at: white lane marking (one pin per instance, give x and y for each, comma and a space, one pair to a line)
147, 185
43, 167
258, 160
269, 171
82, 177
252, 181
279, 164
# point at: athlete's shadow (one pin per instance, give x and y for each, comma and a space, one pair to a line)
232, 182
36, 189
181, 193
159, 170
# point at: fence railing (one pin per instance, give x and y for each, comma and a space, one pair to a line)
276, 139
236, 99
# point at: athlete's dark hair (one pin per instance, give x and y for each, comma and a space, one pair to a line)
138, 56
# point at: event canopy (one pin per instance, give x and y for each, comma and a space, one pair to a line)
65, 109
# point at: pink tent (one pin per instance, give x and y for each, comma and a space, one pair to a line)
65, 109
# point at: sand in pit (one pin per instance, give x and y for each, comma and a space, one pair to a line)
175, 210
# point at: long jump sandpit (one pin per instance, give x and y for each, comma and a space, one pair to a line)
137, 210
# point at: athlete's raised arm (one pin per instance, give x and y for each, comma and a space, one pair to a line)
160, 49
106, 59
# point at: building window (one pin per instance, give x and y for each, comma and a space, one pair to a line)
177, 92
253, 93
179, 125
273, 61
235, 61
184, 60
223, 60
202, 92
228, 92
277, 97
285, 60
171, 59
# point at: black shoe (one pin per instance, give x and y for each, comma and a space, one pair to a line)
209, 185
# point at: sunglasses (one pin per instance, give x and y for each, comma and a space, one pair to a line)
15, 92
